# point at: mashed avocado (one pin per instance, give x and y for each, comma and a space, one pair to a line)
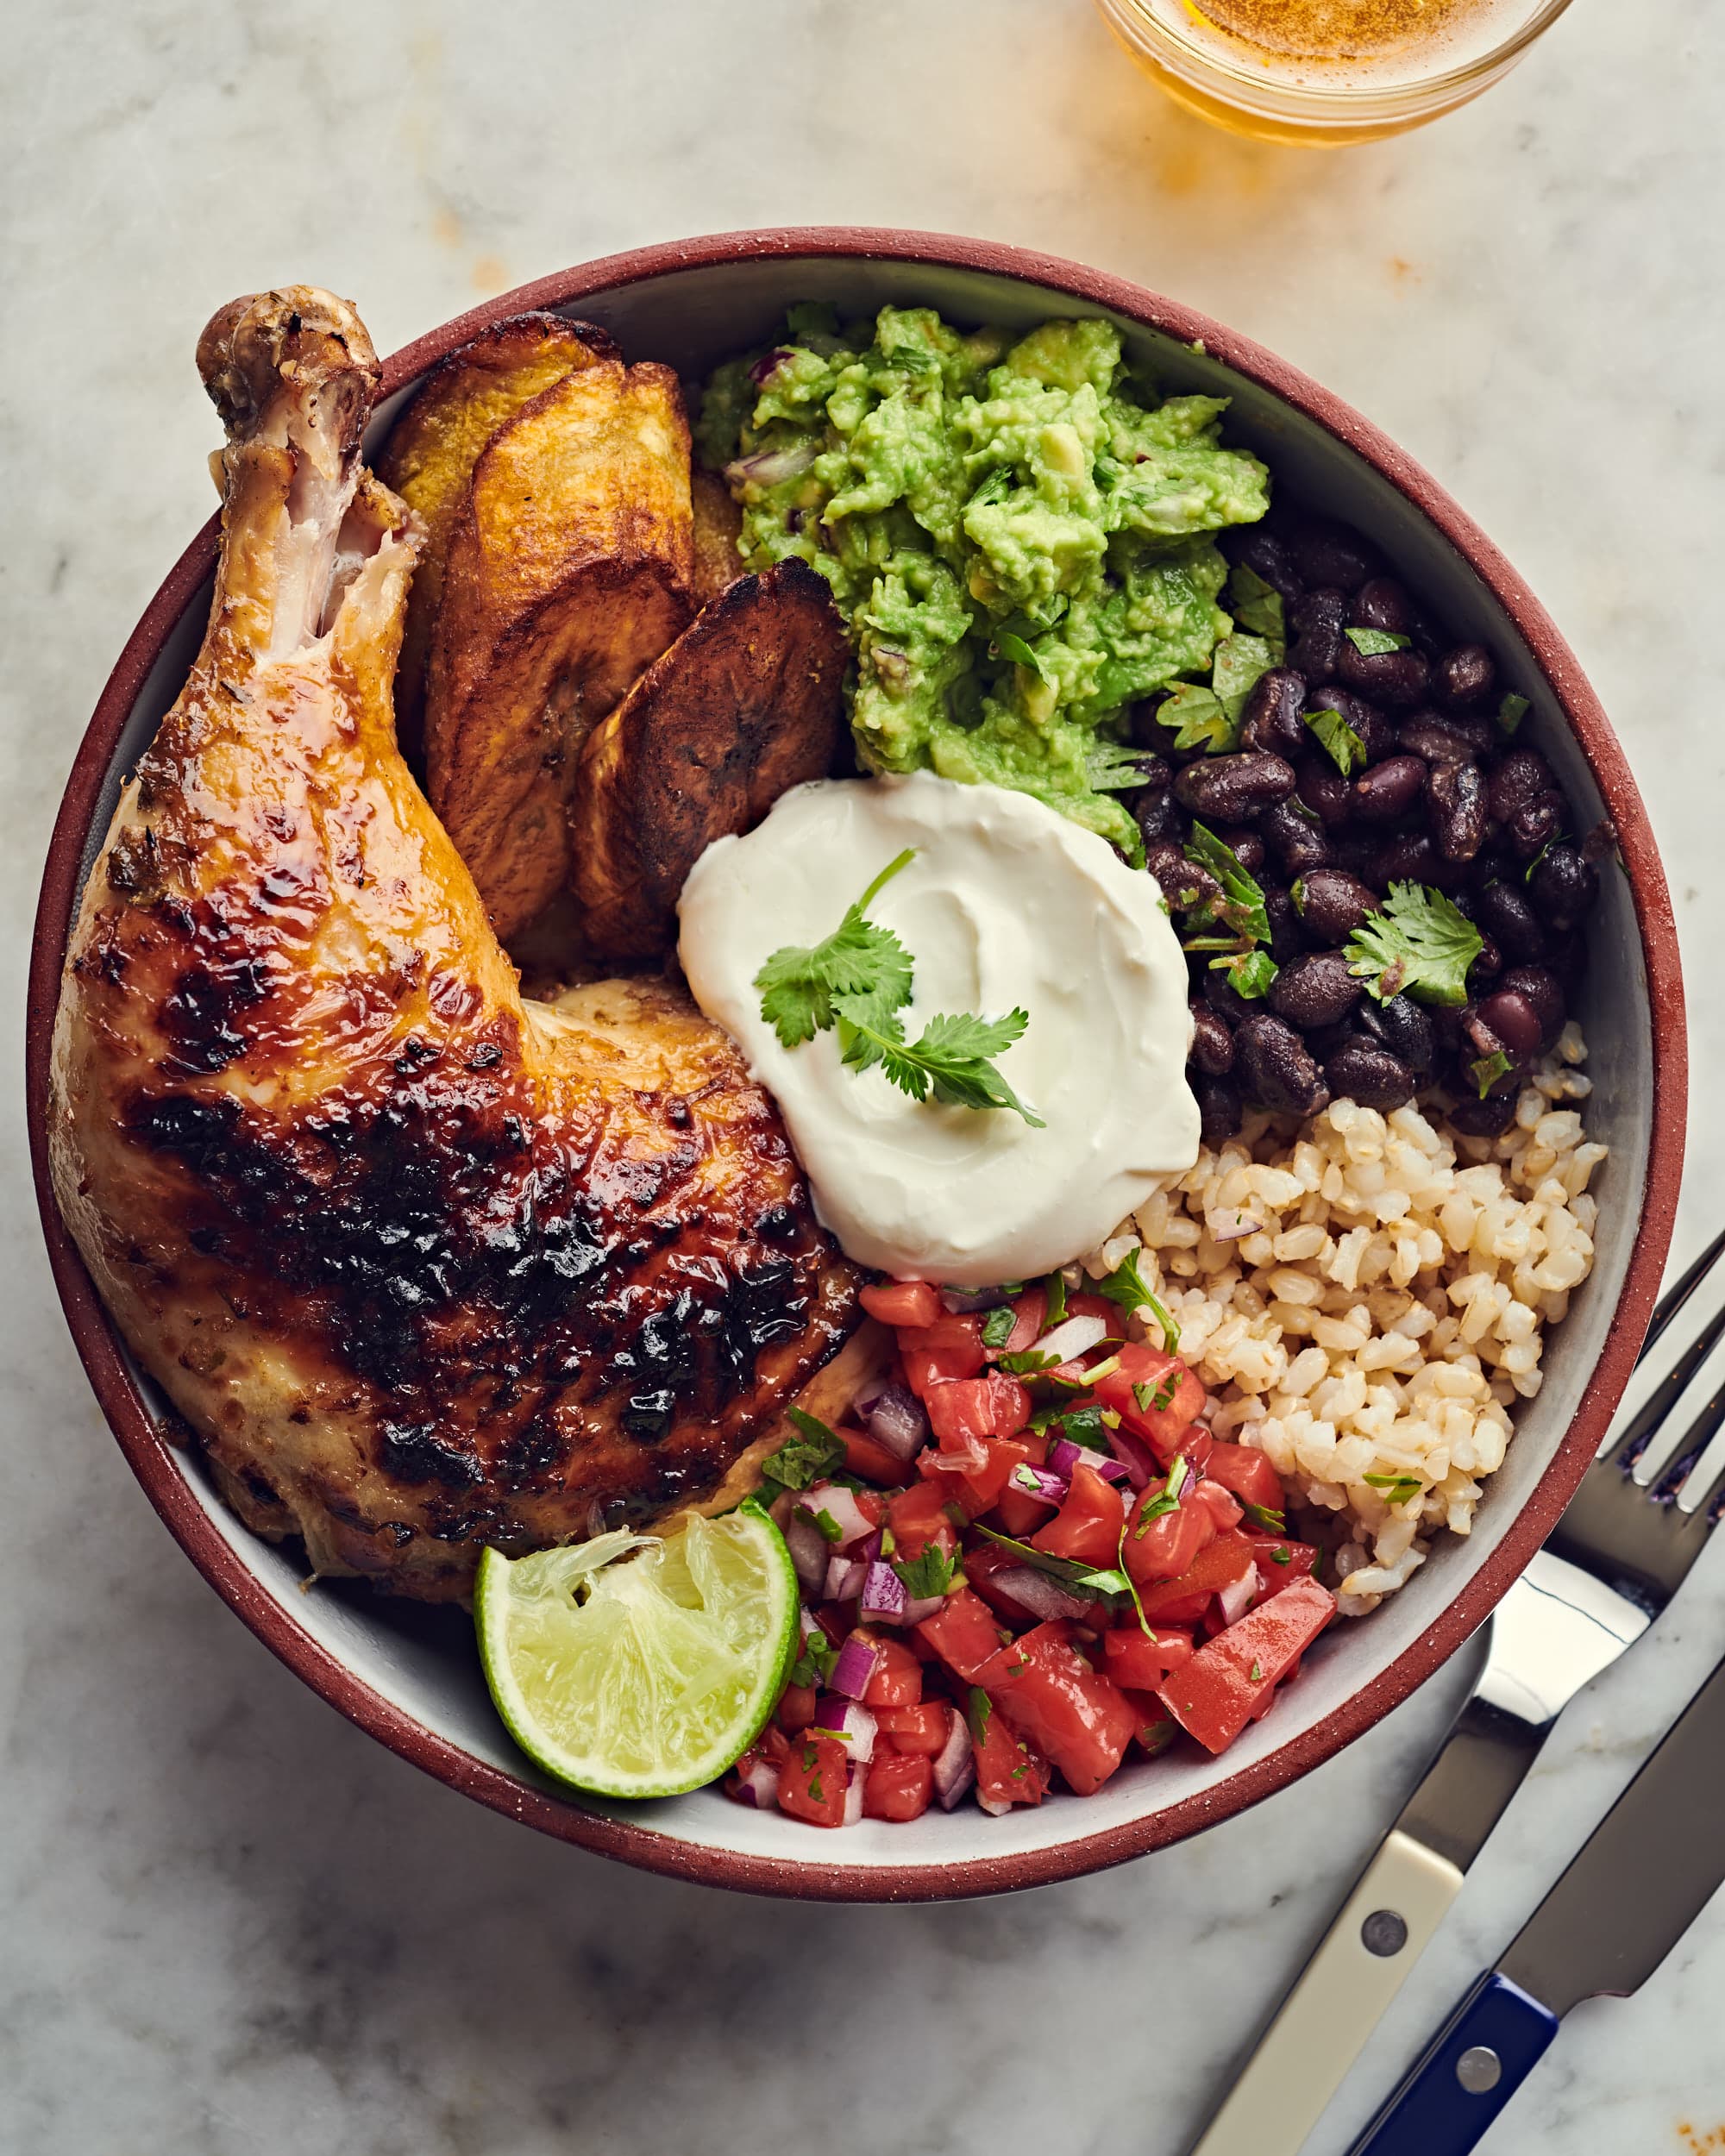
1019, 540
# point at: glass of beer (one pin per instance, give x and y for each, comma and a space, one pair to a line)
1327, 71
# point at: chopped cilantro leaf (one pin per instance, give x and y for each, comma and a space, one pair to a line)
1486, 1070
978, 1710
1126, 1286
1240, 908
1282, 1556
1236, 666
1021, 654
815, 1662
1272, 1523
1347, 750
927, 1576
1199, 719
1084, 1426
1512, 710
1372, 643
997, 1327
1257, 1677
860, 960
1397, 1488
1027, 1363
1253, 974
1256, 605
829, 1527
1417, 944
805, 1459
1056, 1285
1077, 1578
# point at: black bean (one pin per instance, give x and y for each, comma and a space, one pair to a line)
1313, 989
1276, 1068
1158, 816
1600, 842
1184, 883
1222, 996
1483, 1118
1464, 674
1503, 911
1521, 775
1515, 1022
1355, 850
1267, 556
1408, 857
1323, 790
1287, 936
1297, 836
1325, 1040
1231, 789
1386, 793
1404, 1025
1328, 552
1213, 1042
1333, 904
1316, 622
1388, 677
1563, 886
1244, 844
1537, 986
1219, 1109
1155, 774
1382, 603
1456, 795
1535, 825
1368, 1073
1270, 718
1487, 963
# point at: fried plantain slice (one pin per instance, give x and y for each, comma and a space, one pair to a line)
747, 703
719, 522
568, 572
435, 444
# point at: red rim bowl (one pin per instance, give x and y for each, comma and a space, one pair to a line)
693, 302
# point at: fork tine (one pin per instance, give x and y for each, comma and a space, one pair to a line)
1645, 1424
1680, 1292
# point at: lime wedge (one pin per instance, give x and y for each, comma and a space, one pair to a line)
632, 1666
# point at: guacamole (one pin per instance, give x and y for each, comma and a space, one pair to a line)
1020, 539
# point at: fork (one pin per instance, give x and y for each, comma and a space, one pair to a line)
1615, 1559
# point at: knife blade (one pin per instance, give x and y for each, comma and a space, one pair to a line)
1638, 1882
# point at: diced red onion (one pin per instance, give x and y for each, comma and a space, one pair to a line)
891, 665
759, 1784
960, 1302
1140, 1464
954, 1766
993, 1806
840, 1506
1238, 1595
845, 1578
920, 1607
807, 1546
853, 1797
1072, 1337
768, 467
869, 1548
1063, 1456
854, 1671
767, 365
1040, 1482
883, 1595
1036, 1592
868, 1392
896, 1419
1241, 1228
850, 1720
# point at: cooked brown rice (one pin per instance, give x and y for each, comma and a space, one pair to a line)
1366, 1298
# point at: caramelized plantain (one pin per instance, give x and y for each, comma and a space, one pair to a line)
435, 444
745, 704
718, 523
568, 572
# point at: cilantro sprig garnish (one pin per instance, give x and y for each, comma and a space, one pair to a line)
857, 981
1417, 944
1126, 1286
924, 1577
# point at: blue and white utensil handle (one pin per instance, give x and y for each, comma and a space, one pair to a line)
1497, 2036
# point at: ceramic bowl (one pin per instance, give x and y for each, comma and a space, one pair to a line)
409, 1675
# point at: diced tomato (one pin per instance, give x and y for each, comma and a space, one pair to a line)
923, 1728
1088, 1526
898, 1786
1247, 1472
992, 1406
867, 1456
903, 1303
1222, 1561
1145, 1377
1083, 1304
1009, 1768
1018, 1513
812, 1780
1214, 1695
897, 1681
980, 1489
916, 1517
964, 1632
1280, 1562
1138, 1660
1223, 1506
1046, 1688
950, 1348
1162, 1545
1156, 1729
1028, 1313
796, 1706
1183, 1609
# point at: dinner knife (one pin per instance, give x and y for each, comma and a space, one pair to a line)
1635, 1887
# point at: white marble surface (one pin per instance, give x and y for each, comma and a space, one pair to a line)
231, 1922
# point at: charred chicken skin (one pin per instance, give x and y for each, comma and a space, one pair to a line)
423, 1266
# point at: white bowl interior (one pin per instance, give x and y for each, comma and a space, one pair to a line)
422, 1660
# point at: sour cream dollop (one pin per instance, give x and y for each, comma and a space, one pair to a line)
1006, 904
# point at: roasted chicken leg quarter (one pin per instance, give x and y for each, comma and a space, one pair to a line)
423, 1266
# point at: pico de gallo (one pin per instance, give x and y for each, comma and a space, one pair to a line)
1024, 1555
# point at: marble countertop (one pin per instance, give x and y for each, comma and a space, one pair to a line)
230, 1922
